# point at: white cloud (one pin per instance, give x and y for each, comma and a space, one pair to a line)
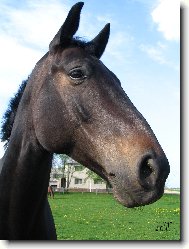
36, 24
154, 53
157, 53
167, 17
117, 42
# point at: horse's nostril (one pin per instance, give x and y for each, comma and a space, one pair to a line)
146, 168
147, 172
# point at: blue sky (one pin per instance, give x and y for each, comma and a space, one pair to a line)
143, 51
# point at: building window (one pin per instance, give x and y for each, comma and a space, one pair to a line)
78, 181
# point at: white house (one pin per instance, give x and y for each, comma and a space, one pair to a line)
76, 178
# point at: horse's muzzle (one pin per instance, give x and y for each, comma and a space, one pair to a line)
145, 184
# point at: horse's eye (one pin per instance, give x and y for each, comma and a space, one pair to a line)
77, 74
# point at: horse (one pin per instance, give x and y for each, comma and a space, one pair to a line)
50, 192
73, 104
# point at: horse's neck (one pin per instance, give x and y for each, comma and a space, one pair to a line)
25, 173
23, 186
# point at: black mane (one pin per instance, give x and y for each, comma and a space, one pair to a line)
10, 114
78, 41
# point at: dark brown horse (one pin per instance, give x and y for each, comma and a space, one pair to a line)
73, 104
50, 191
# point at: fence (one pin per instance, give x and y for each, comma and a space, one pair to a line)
63, 190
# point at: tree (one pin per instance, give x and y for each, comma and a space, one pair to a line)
92, 175
62, 166
97, 179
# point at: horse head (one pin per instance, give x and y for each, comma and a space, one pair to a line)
81, 110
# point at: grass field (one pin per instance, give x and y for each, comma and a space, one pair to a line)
89, 216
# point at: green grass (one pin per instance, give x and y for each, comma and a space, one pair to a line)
89, 216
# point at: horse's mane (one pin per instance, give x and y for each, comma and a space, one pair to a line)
78, 41
9, 116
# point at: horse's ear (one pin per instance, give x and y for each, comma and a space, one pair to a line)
69, 27
98, 44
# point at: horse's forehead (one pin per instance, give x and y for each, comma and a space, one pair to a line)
73, 57
71, 54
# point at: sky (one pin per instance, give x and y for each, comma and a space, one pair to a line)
143, 51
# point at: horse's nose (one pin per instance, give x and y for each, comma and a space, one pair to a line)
152, 170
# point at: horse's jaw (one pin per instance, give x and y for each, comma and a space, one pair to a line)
133, 195
130, 200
